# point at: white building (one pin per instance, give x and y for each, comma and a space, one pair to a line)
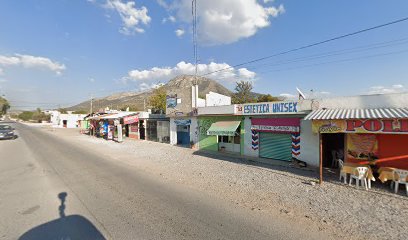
182, 111
66, 120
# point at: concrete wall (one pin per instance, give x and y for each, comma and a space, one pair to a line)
72, 120
217, 110
173, 132
216, 99
248, 151
309, 144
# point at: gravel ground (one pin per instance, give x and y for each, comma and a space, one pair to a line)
288, 192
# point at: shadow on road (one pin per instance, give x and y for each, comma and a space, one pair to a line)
66, 227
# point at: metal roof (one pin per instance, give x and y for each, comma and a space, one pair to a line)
119, 115
367, 113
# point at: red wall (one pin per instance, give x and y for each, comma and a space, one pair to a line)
393, 145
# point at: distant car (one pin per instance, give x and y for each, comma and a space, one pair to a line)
6, 132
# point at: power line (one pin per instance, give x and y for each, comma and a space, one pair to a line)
340, 60
311, 45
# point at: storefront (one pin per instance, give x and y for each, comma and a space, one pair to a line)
154, 127
274, 129
131, 126
377, 137
228, 135
183, 127
163, 131
276, 138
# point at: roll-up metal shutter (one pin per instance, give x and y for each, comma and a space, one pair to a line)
275, 146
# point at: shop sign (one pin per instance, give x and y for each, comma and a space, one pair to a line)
130, 119
171, 101
278, 125
397, 126
286, 129
270, 108
182, 122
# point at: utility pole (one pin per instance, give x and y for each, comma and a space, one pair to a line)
91, 104
195, 82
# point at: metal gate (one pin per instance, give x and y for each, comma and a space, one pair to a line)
275, 146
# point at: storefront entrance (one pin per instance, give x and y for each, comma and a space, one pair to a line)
275, 146
333, 148
183, 135
142, 132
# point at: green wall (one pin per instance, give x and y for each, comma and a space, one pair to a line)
210, 143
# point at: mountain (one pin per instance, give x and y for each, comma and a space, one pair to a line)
138, 101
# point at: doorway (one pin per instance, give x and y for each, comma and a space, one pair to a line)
183, 135
64, 123
333, 143
142, 130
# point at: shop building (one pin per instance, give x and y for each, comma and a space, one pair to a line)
181, 108
270, 130
154, 127
66, 120
274, 129
220, 129
369, 129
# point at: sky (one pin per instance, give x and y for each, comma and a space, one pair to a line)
57, 53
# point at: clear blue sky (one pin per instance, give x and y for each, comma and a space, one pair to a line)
59, 52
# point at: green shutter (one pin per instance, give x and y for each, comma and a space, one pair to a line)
275, 146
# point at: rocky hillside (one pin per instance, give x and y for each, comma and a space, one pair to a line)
135, 100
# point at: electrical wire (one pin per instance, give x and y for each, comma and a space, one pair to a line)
310, 45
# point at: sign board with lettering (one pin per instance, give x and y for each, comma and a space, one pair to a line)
394, 126
277, 125
269, 108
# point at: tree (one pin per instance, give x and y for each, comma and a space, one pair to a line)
243, 93
157, 100
5, 106
80, 112
62, 110
268, 98
26, 115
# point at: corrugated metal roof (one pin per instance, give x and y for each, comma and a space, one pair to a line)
368, 113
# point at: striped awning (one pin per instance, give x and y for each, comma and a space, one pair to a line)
368, 113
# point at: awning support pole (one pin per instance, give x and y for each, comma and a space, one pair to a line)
320, 159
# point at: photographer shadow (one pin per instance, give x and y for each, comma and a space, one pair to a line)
66, 227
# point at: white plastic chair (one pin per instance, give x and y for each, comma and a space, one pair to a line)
362, 176
342, 174
402, 179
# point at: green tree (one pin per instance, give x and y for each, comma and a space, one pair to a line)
243, 93
62, 110
80, 112
26, 115
157, 100
4, 106
268, 98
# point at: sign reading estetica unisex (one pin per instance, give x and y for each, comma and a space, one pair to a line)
270, 108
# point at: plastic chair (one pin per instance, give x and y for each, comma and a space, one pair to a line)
342, 174
362, 176
402, 179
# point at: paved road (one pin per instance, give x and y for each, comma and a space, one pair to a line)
51, 189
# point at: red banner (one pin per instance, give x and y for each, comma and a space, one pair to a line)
130, 119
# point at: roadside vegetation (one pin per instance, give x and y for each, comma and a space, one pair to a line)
34, 116
243, 94
4, 106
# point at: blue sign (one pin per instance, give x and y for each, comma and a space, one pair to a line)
182, 122
270, 108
